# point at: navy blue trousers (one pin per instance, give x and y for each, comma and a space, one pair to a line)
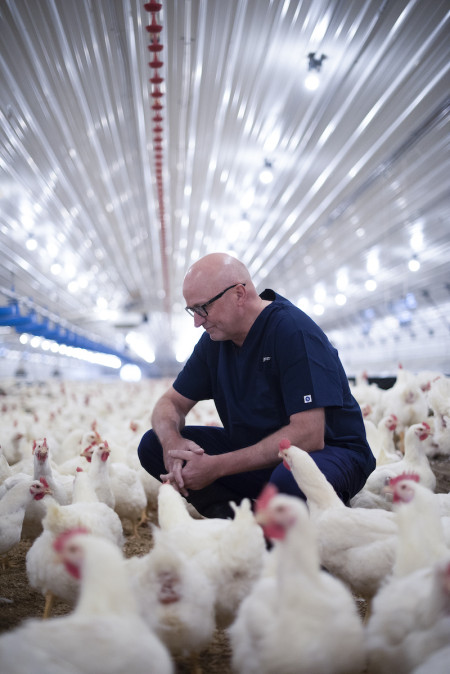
338, 464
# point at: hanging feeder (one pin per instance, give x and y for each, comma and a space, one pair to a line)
155, 45
154, 27
156, 63
152, 6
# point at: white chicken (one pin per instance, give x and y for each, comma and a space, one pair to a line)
236, 564
368, 396
411, 613
5, 468
410, 620
69, 465
103, 634
74, 443
174, 595
13, 506
87, 511
97, 455
130, 500
194, 534
61, 486
231, 552
436, 663
381, 439
421, 540
415, 460
439, 401
356, 545
406, 400
44, 573
300, 620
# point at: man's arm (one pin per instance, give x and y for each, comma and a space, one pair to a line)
305, 430
168, 419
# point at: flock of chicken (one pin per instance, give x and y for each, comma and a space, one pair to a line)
285, 580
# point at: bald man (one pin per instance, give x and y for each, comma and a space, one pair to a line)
272, 374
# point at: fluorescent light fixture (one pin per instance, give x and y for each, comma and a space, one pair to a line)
312, 81
130, 372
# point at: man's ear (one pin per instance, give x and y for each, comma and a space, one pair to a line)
241, 294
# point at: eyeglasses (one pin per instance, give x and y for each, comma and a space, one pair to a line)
200, 309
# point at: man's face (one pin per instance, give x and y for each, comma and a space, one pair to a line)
221, 316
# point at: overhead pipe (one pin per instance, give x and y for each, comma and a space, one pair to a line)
41, 323
154, 29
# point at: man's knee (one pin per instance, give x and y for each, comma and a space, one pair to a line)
150, 454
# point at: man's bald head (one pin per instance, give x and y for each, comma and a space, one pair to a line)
216, 271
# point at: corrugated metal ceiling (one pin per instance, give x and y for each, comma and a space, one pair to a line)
360, 165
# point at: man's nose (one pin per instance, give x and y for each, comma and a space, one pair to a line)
199, 320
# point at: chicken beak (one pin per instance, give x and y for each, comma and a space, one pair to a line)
261, 518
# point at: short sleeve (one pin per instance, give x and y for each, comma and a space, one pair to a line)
309, 371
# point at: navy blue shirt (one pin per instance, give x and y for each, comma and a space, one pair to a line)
285, 365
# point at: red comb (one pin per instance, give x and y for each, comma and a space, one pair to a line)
426, 431
267, 494
404, 476
59, 543
44, 482
284, 444
79, 470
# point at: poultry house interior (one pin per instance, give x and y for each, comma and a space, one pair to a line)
336, 196
308, 139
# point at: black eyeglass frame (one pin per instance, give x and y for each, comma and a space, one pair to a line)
200, 309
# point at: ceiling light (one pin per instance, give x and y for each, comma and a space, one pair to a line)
141, 346
342, 280
370, 285
373, 263
130, 372
266, 175
320, 293
303, 303
312, 80
31, 244
414, 265
248, 198
272, 140
102, 303
340, 299
416, 240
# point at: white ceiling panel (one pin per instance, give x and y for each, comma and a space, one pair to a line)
97, 227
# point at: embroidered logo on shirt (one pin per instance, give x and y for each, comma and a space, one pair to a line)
266, 358
307, 399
